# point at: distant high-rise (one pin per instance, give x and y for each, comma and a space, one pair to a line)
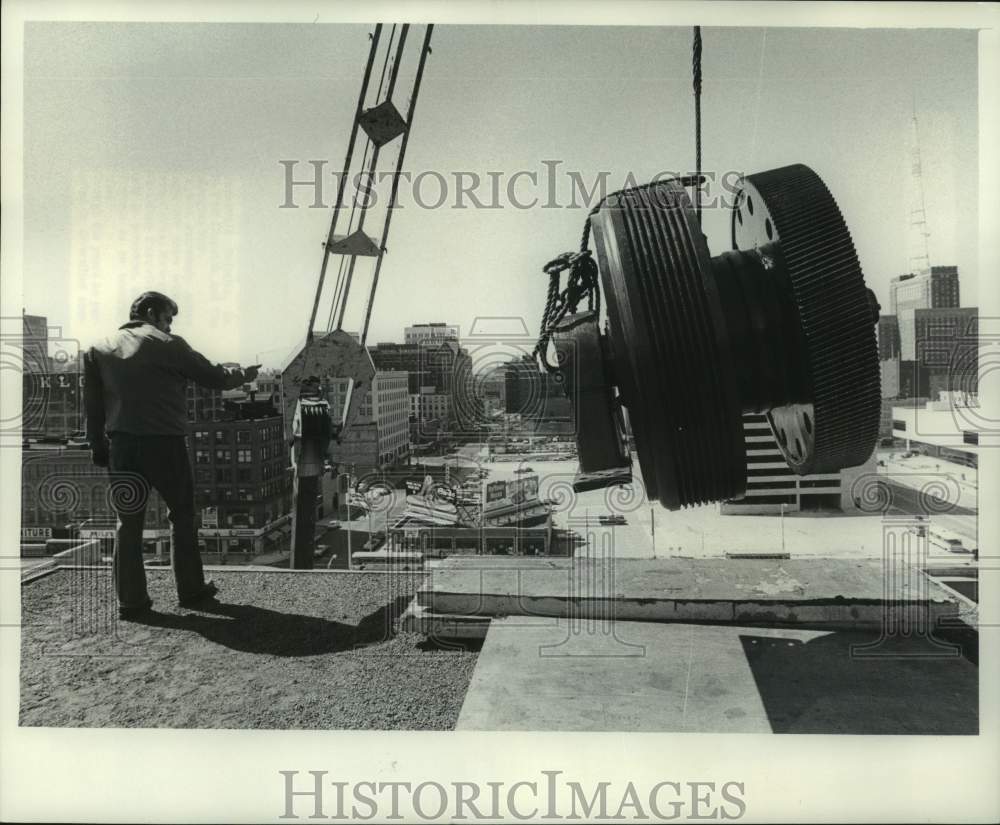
436, 331
947, 347
935, 289
887, 333
35, 342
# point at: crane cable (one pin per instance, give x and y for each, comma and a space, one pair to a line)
696, 82
583, 281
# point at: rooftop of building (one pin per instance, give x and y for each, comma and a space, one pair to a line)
283, 649
327, 650
934, 270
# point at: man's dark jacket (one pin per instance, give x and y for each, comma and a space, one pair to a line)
136, 382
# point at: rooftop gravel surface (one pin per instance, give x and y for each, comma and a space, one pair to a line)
282, 649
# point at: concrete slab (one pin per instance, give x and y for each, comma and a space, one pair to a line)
417, 619
828, 593
557, 674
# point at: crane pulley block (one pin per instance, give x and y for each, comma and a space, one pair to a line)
335, 369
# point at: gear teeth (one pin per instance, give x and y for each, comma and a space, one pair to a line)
836, 318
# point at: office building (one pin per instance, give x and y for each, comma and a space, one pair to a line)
537, 397
51, 404
380, 435
772, 486
267, 387
904, 379
427, 333
887, 333
935, 289
428, 405
946, 345
35, 343
431, 363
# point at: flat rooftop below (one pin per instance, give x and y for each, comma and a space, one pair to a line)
558, 675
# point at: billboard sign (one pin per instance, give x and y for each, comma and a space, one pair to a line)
97, 533
501, 494
495, 491
524, 488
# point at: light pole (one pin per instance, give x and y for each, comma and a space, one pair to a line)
652, 528
350, 560
782, 527
371, 534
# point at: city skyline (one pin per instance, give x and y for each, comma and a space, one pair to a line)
186, 154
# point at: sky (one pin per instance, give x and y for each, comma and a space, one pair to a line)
153, 160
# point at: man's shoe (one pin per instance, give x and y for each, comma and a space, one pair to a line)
138, 612
207, 593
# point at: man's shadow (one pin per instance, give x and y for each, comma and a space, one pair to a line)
258, 630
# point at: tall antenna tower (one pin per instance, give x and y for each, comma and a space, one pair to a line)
920, 260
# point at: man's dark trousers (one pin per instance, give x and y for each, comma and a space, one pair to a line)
138, 463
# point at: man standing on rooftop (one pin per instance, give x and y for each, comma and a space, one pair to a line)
135, 391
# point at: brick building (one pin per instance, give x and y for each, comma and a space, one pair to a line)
242, 477
63, 494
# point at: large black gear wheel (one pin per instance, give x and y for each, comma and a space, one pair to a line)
793, 207
663, 311
783, 324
